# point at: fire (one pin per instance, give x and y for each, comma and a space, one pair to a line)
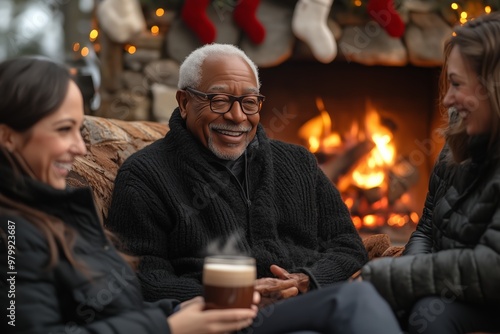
372, 171
369, 175
317, 131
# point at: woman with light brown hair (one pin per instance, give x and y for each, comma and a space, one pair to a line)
448, 279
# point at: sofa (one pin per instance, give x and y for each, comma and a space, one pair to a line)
110, 141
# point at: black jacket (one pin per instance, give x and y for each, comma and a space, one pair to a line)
455, 251
174, 197
103, 298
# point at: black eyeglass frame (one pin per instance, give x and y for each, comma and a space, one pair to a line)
232, 99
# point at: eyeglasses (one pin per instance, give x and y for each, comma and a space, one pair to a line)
221, 103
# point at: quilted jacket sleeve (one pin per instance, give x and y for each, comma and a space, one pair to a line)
421, 240
467, 274
34, 300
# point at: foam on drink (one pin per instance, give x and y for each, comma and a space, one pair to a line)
229, 275
228, 281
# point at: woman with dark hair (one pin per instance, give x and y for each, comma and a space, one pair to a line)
63, 274
448, 280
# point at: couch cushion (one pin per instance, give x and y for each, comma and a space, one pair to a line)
109, 142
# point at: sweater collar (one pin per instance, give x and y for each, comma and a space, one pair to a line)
179, 134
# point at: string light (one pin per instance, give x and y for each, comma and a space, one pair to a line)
487, 9
85, 51
155, 30
76, 47
130, 49
93, 35
160, 12
454, 6
463, 17
357, 3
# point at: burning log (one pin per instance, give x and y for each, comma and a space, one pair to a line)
402, 176
346, 160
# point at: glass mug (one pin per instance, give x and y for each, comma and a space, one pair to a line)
228, 281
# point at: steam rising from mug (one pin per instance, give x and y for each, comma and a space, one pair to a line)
229, 247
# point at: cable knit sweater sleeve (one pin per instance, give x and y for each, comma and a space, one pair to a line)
141, 220
342, 248
339, 251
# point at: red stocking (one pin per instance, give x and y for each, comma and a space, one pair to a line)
195, 16
244, 16
384, 13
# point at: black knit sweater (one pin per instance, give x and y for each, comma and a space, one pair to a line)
174, 198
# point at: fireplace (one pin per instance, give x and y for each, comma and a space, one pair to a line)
406, 100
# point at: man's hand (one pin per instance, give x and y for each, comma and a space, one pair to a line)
301, 280
274, 289
356, 277
286, 285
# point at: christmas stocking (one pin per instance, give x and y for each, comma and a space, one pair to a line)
244, 16
384, 13
194, 15
309, 24
121, 19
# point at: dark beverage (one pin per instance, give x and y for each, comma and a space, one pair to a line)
228, 282
220, 297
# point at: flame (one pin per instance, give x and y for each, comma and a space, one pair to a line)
318, 131
397, 220
370, 172
358, 223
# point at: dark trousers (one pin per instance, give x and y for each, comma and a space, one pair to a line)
441, 315
343, 308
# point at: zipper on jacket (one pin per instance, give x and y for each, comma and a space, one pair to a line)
245, 191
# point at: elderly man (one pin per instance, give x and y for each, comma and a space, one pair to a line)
217, 179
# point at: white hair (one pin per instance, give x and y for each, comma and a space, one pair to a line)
190, 70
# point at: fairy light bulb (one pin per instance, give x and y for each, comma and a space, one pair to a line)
130, 49
155, 30
93, 35
85, 51
160, 12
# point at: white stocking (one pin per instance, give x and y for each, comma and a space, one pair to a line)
121, 19
309, 24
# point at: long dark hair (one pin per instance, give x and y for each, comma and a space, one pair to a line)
32, 88
480, 47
